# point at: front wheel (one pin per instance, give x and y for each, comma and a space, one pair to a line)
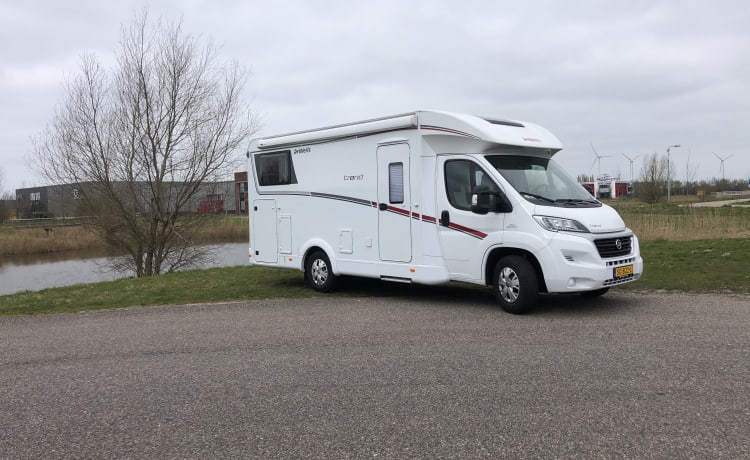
516, 285
318, 272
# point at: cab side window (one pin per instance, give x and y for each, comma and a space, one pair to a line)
461, 176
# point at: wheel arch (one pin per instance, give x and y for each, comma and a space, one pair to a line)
318, 245
500, 252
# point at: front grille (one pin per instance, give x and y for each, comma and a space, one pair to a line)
625, 279
614, 247
618, 262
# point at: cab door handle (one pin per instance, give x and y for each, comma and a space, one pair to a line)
445, 219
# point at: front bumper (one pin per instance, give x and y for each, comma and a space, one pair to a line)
572, 263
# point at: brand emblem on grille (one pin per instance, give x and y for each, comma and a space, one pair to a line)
618, 244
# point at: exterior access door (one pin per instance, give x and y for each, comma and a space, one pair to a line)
265, 242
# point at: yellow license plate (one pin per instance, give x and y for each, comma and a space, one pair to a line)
625, 270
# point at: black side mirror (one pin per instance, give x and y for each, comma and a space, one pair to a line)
484, 200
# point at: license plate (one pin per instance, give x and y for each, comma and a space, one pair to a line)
621, 272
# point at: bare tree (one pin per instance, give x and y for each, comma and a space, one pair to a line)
141, 140
690, 172
653, 178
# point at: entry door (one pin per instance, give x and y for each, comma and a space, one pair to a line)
394, 201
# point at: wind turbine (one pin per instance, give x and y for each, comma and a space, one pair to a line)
631, 160
721, 168
597, 160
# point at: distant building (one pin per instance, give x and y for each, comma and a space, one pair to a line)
240, 192
62, 201
47, 201
608, 187
215, 198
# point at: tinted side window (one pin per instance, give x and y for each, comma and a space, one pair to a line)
275, 168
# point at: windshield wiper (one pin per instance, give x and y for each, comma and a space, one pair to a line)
538, 197
576, 201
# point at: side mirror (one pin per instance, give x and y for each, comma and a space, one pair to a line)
484, 200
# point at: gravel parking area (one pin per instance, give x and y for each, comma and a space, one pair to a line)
644, 375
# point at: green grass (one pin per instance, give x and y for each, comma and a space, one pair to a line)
696, 266
690, 266
218, 284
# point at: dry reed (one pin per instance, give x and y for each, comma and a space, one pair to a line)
686, 224
40, 240
224, 229
74, 238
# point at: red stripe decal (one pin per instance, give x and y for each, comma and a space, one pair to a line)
453, 226
448, 130
403, 212
406, 213
467, 230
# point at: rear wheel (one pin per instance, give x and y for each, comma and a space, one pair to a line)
516, 285
318, 272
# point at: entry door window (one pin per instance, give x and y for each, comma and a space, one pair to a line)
396, 183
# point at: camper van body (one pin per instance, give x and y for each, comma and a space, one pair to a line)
429, 197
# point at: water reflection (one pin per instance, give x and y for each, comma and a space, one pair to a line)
42, 271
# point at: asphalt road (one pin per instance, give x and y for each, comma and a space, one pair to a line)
643, 375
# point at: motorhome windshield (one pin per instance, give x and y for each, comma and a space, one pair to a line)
542, 181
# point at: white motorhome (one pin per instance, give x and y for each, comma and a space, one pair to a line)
429, 197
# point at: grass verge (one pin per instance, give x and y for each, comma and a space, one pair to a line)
195, 286
696, 266
692, 266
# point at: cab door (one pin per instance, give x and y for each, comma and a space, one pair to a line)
465, 237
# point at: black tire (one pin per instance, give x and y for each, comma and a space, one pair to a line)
318, 272
595, 293
516, 284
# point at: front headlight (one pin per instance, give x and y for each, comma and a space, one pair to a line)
558, 224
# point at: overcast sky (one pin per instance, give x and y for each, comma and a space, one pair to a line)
628, 77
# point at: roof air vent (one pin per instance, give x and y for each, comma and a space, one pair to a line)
505, 123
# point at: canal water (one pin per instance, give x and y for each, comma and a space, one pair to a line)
41, 271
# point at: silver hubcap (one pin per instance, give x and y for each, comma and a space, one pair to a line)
319, 271
508, 285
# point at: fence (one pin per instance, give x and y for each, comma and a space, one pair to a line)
45, 223
733, 194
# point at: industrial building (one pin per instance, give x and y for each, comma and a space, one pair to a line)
63, 201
